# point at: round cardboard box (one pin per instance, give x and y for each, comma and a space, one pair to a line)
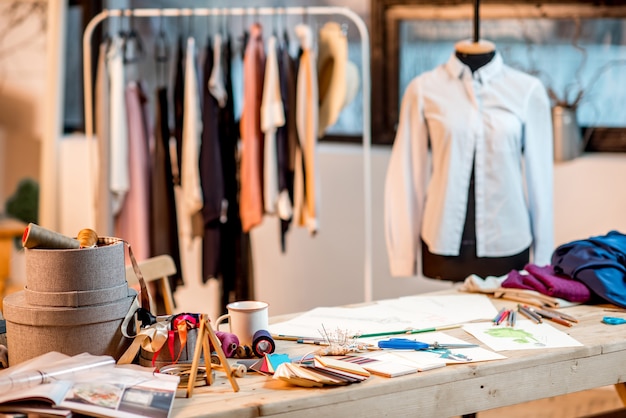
35, 330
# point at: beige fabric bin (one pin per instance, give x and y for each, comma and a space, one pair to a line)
75, 277
34, 330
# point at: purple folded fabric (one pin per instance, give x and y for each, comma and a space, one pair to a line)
544, 280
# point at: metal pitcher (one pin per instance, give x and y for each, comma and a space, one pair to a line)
568, 142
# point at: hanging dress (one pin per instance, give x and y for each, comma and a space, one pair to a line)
251, 195
211, 175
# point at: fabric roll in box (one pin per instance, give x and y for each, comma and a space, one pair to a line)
75, 301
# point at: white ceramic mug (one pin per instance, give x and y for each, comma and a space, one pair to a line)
245, 318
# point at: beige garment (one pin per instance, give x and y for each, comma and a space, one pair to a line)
306, 196
272, 117
119, 170
103, 198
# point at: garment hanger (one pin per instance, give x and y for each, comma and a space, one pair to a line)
133, 46
161, 52
106, 32
475, 52
190, 24
161, 45
275, 23
245, 35
224, 24
285, 29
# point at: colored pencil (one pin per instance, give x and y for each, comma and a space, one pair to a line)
408, 331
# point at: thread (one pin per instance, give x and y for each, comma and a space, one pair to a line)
262, 343
238, 370
229, 342
244, 351
36, 236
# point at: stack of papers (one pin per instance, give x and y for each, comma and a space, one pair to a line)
391, 364
321, 371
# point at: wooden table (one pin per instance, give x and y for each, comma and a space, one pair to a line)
525, 375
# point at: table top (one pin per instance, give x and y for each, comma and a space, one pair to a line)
458, 389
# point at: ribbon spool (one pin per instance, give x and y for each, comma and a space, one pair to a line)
229, 341
262, 343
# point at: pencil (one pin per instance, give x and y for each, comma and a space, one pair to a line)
562, 315
498, 315
529, 314
408, 331
552, 317
503, 317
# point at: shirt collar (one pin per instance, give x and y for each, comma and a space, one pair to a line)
456, 68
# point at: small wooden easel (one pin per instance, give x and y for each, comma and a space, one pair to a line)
202, 347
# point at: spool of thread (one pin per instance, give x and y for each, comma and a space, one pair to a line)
238, 370
36, 236
229, 342
244, 351
262, 343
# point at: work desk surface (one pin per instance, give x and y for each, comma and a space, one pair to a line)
525, 375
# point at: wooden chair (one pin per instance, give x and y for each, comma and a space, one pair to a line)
156, 269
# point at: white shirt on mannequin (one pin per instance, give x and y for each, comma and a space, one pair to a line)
496, 118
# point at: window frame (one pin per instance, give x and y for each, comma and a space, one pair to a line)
387, 15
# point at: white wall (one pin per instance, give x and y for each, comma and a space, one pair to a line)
589, 197
328, 268
22, 85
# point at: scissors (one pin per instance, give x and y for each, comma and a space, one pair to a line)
612, 320
407, 344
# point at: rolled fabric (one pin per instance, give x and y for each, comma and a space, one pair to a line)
36, 236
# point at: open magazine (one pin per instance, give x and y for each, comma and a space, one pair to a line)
55, 384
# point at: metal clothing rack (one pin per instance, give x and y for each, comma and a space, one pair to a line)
240, 11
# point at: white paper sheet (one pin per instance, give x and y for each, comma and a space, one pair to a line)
525, 336
413, 312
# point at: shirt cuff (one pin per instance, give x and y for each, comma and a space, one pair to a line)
402, 267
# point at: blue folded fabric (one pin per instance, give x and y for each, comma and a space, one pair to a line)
599, 262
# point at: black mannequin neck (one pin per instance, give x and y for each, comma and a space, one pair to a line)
475, 61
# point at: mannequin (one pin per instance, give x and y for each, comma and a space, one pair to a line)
469, 180
474, 54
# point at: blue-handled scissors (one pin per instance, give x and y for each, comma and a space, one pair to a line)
407, 344
611, 320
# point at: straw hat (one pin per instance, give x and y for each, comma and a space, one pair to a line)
338, 78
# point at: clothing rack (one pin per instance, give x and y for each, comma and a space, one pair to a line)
258, 11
